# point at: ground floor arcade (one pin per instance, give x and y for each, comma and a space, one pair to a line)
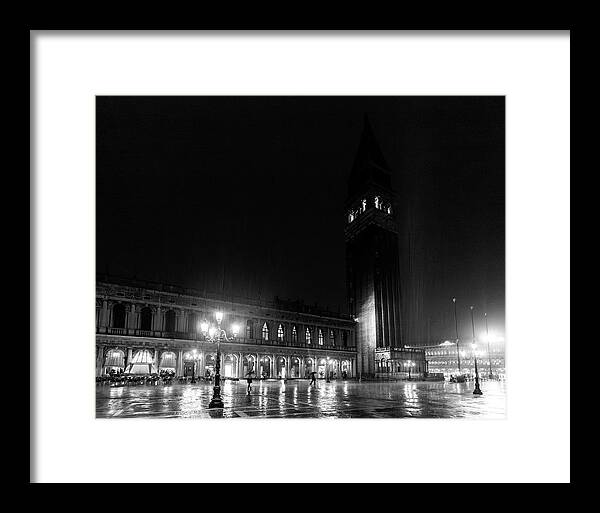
237, 360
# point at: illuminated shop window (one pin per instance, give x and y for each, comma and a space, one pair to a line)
308, 335
294, 334
280, 333
320, 337
265, 332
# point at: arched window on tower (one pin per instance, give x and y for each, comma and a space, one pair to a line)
265, 332
320, 337
280, 333
308, 335
294, 334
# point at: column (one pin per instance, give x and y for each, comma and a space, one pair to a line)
180, 321
104, 314
157, 319
287, 367
129, 357
157, 360
179, 363
133, 318
99, 360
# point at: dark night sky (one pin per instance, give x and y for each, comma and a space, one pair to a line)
245, 195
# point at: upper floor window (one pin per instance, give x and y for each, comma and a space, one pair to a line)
320, 337
146, 319
377, 202
170, 321
332, 337
308, 336
280, 333
345, 338
118, 316
248, 329
294, 334
265, 332
364, 205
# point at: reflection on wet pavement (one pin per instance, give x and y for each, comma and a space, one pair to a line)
297, 399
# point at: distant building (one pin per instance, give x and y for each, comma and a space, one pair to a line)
443, 358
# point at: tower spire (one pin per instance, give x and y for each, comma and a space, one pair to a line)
370, 166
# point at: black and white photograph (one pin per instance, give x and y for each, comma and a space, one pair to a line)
300, 257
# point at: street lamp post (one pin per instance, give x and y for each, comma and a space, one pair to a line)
456, 331
487, 336
477, 390
214, 335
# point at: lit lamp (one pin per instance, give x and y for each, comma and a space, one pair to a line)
213, 334
477, 390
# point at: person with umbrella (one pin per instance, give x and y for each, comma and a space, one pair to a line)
313, 378
249, 380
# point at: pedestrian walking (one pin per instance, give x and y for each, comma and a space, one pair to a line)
249, 381
313, 379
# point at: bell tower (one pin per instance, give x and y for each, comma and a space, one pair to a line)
372, 254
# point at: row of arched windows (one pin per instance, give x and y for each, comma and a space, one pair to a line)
308, 334
362, 207
170, 325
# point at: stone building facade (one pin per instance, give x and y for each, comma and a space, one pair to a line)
144, 328
443, 359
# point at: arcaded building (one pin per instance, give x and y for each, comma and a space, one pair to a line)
144, 327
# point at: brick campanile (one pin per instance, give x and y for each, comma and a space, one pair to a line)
372, 254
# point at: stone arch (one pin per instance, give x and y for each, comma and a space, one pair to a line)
294, 367
141, 362
114, 359
264, 366
280, 367
230, 366
168, 361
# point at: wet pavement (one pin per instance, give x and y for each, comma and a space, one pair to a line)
297, 399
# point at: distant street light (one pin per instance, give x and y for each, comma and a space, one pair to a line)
456, 331
477, 390
487, 336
